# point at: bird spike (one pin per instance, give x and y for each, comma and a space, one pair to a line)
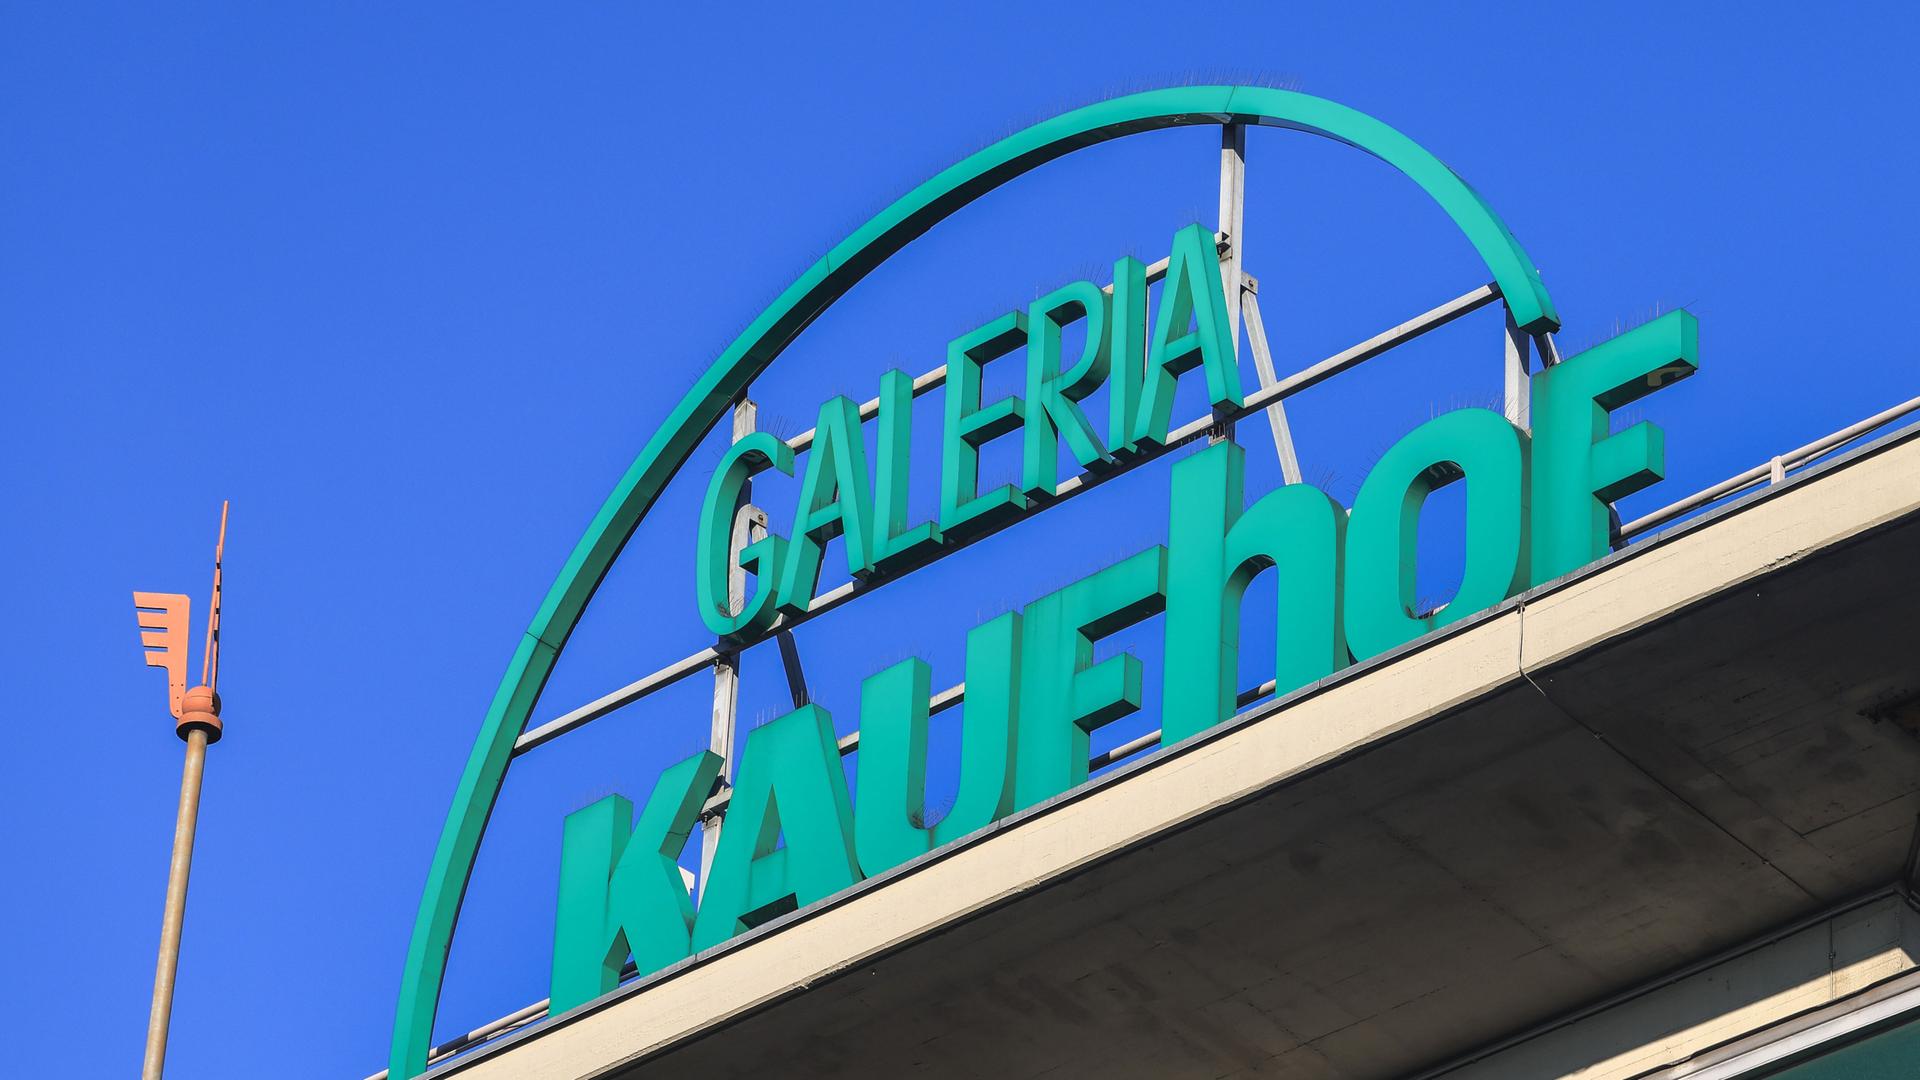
210, 657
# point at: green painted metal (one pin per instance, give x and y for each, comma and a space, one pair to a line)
763, 558
890, 814
1577, 467
1064, 695
1381, 607
1126, 352
895, 541
1190, 331
964, 508
621, 890
836, 499
817, 288
990, 739
889, 817
1215, 550
1053, 395
790, 787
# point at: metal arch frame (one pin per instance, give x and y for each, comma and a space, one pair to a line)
823, 283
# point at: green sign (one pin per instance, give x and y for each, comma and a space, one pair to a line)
1536, 509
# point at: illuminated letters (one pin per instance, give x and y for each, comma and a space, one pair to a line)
790, 788
1214, 551
1063, 693
835, 500
1491, 454
1536, 508
841, 497
1191, 331
894, 542
717, 519
1126, 352
1052, 394
620, 888
969, 427
1577, 467
890, 813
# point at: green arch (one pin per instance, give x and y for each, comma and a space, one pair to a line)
823, 283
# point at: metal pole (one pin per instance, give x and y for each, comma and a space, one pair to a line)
749, 524
1517, 397
176, 910
1233, 171
1242, 307
1233, 212
197, 722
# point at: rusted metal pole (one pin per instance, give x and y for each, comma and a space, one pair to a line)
175, 913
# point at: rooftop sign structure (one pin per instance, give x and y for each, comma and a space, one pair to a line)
1539, 477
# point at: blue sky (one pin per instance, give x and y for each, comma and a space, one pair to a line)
411, 286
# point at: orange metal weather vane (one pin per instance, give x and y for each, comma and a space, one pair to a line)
165, 619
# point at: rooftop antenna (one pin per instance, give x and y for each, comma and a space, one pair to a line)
164, 621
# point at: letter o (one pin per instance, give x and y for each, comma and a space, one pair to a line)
1382, 532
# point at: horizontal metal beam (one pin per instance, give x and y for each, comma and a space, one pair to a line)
1124, 750
1152, 738
954, 695
517, 1019
626, 695
922, 384
946, 699
848, 743
1368, 349
1767, 470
